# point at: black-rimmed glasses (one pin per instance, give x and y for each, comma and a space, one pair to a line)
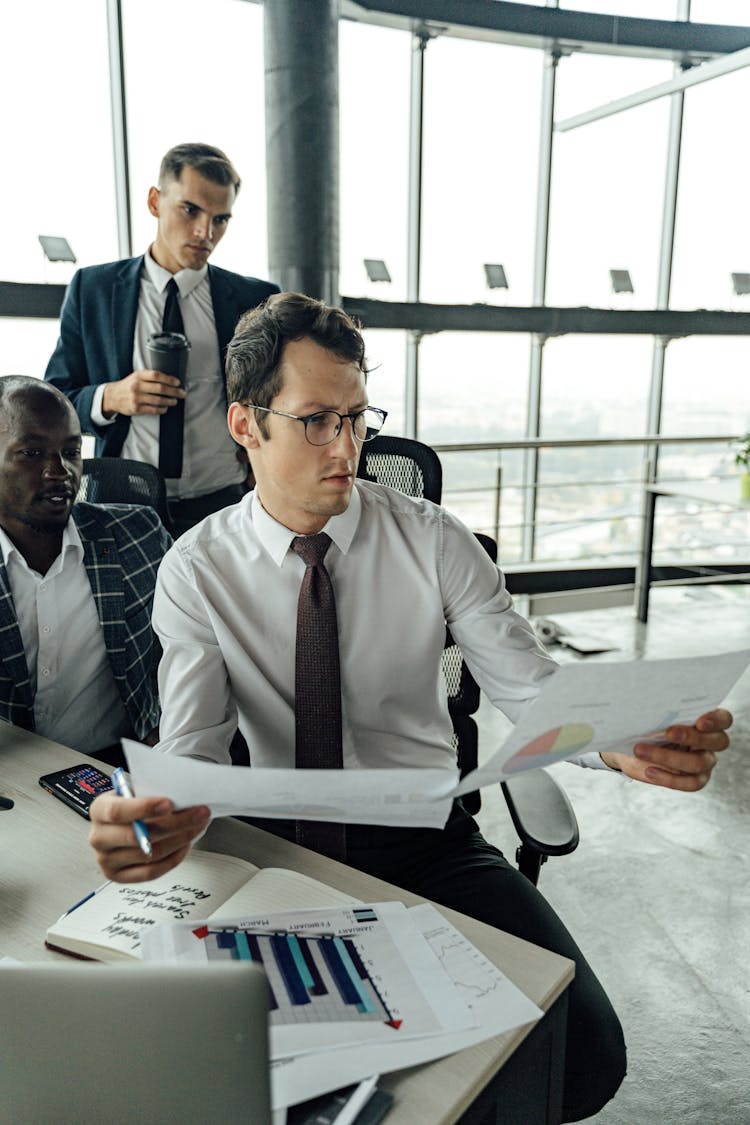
324, 426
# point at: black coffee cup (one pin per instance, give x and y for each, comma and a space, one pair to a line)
168, 352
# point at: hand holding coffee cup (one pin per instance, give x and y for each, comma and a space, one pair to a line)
168, 352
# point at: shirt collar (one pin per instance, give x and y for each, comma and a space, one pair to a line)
71, 541
187, 280
276, 539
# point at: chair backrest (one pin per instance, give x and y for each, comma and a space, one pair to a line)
118, 480
414, 468
404, 464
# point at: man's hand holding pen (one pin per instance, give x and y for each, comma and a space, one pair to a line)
170, 834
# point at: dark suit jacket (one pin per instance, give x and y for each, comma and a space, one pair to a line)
97, 326
122, 548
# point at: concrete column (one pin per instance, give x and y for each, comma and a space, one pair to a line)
302, 139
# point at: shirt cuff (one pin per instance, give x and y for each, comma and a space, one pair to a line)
97, 417
593, 761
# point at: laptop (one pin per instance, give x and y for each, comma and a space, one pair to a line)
116, 1044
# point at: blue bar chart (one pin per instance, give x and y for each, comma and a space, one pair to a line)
313, 978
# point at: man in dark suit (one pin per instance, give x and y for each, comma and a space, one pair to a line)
101, 361
77, 653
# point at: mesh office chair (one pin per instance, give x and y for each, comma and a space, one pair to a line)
118, 480
540, 810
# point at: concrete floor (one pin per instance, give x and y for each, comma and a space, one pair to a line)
658, 892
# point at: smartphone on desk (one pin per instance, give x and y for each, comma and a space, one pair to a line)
77, 786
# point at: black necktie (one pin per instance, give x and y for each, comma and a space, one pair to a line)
172, 424
318, 687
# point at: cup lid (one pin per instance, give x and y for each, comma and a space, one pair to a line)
168, 341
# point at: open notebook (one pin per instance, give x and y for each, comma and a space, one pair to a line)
143, 1043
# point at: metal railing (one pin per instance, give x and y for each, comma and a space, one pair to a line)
628, 554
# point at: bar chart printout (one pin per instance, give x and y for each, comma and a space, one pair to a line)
337, 976
312, 979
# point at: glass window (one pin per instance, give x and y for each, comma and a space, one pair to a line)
485, 490
705, 388
26, 345
58, 174
595, 386
720, 11
646, 9
374, 83
386, 359
481, 122
712, 197
216, 96
472, 386
607, 184
589, 500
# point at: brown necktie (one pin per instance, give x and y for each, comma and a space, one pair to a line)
172, 424
318, 687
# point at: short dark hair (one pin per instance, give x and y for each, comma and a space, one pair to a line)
10, 384
254, 354
209, 162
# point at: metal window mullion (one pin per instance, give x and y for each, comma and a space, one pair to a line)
118, 106
414, 229
539, 294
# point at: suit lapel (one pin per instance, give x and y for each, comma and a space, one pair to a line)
226, 313
102, 562
11, 649
123, 313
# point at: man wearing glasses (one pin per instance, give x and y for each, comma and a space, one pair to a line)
228, 612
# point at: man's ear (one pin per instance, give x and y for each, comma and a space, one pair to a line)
154, 196
242, 426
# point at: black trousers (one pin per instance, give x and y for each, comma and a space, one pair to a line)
457, 867
184, 514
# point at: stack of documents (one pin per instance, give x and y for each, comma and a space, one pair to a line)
356, 990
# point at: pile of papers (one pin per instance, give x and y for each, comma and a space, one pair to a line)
356, 990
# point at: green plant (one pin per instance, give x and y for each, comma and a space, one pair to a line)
741, 449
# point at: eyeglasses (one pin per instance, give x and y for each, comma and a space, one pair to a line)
325, 426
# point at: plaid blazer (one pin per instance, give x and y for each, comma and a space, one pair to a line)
122, 548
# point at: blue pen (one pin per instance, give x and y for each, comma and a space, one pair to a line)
122, 789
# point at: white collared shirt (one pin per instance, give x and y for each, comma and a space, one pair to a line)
209, 453
76, 700
225, 612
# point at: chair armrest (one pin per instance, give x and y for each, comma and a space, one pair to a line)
541, 812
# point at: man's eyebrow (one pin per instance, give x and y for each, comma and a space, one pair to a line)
318, 407
190, 203
43, 438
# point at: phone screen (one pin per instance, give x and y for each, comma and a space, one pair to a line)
77, 786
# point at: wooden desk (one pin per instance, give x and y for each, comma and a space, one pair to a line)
725, 493
46, 864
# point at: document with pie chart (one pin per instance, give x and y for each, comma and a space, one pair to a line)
610, 706
581, 707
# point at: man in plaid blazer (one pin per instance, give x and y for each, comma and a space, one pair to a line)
77, 653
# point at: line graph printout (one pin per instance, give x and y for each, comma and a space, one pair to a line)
343, 975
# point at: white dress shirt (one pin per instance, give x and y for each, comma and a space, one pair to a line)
76, 700
209, 453
225, 612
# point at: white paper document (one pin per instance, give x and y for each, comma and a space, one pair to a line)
581, 708
495, 1002
359, 974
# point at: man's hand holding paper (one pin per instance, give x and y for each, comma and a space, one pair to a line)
684, 760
